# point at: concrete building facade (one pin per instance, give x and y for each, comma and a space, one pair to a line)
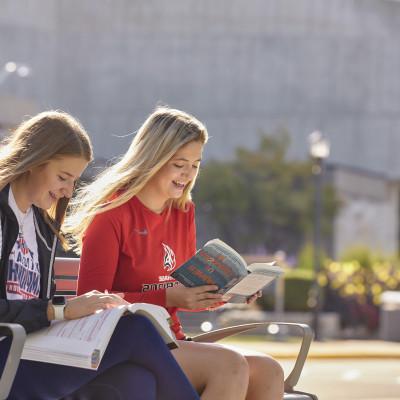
242, 67
369, 212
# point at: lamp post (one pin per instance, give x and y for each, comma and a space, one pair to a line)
319, 151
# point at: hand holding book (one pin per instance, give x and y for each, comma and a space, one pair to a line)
254, 297
88, 303
192, 298
218, 264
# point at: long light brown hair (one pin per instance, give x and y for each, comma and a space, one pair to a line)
157, 140
34, 142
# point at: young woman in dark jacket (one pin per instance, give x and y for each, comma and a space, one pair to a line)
39, 165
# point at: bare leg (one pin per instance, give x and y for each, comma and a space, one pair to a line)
216, 372
266, 378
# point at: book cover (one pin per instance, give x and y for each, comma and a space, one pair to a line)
216, 263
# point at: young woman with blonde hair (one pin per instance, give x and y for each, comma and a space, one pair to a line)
136, 223
39, 165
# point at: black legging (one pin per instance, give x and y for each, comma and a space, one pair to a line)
137, 365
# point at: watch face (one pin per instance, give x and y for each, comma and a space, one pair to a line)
58, 300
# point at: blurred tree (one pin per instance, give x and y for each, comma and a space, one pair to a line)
260, 199
221, 196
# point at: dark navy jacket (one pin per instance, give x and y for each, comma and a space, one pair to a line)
31, 314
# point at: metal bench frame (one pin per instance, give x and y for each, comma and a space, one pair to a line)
17, 332
66, 275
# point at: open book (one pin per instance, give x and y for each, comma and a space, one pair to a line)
216, 263
82, 342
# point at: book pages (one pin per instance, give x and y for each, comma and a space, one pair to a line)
80, 342
83, 342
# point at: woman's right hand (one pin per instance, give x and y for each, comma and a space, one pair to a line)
193, 298
89, 303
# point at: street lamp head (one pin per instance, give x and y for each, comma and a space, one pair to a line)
319, 146
22, 70
10, 67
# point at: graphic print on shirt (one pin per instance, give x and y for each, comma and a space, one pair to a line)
164, 281
168, 283
169, 258
23, 276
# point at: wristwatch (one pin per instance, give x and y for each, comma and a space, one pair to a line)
59, 303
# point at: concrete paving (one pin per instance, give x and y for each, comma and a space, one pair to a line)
349, 379
371, 349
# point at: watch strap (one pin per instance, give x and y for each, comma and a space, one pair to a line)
59, 312
59, 303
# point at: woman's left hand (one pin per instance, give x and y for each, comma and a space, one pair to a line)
253, 298
89, 303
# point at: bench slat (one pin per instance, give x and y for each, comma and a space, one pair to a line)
62, 284
66, 266
66, 276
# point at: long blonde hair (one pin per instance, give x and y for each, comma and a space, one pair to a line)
157, 140
37, 140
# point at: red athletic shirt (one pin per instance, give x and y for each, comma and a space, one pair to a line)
133, 250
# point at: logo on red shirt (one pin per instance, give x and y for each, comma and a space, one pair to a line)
169, 258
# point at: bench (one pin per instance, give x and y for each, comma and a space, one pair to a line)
66, 274
17, 332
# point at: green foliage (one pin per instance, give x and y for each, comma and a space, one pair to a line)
223, 195
260, 199
355, 289
297, 290
351, 279
305, 258
361, 254
297, 286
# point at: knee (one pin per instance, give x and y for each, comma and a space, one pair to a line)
136, 320
234, 364
120, 381
137, 325
136, 331
265, 366
143, 380
276, 369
